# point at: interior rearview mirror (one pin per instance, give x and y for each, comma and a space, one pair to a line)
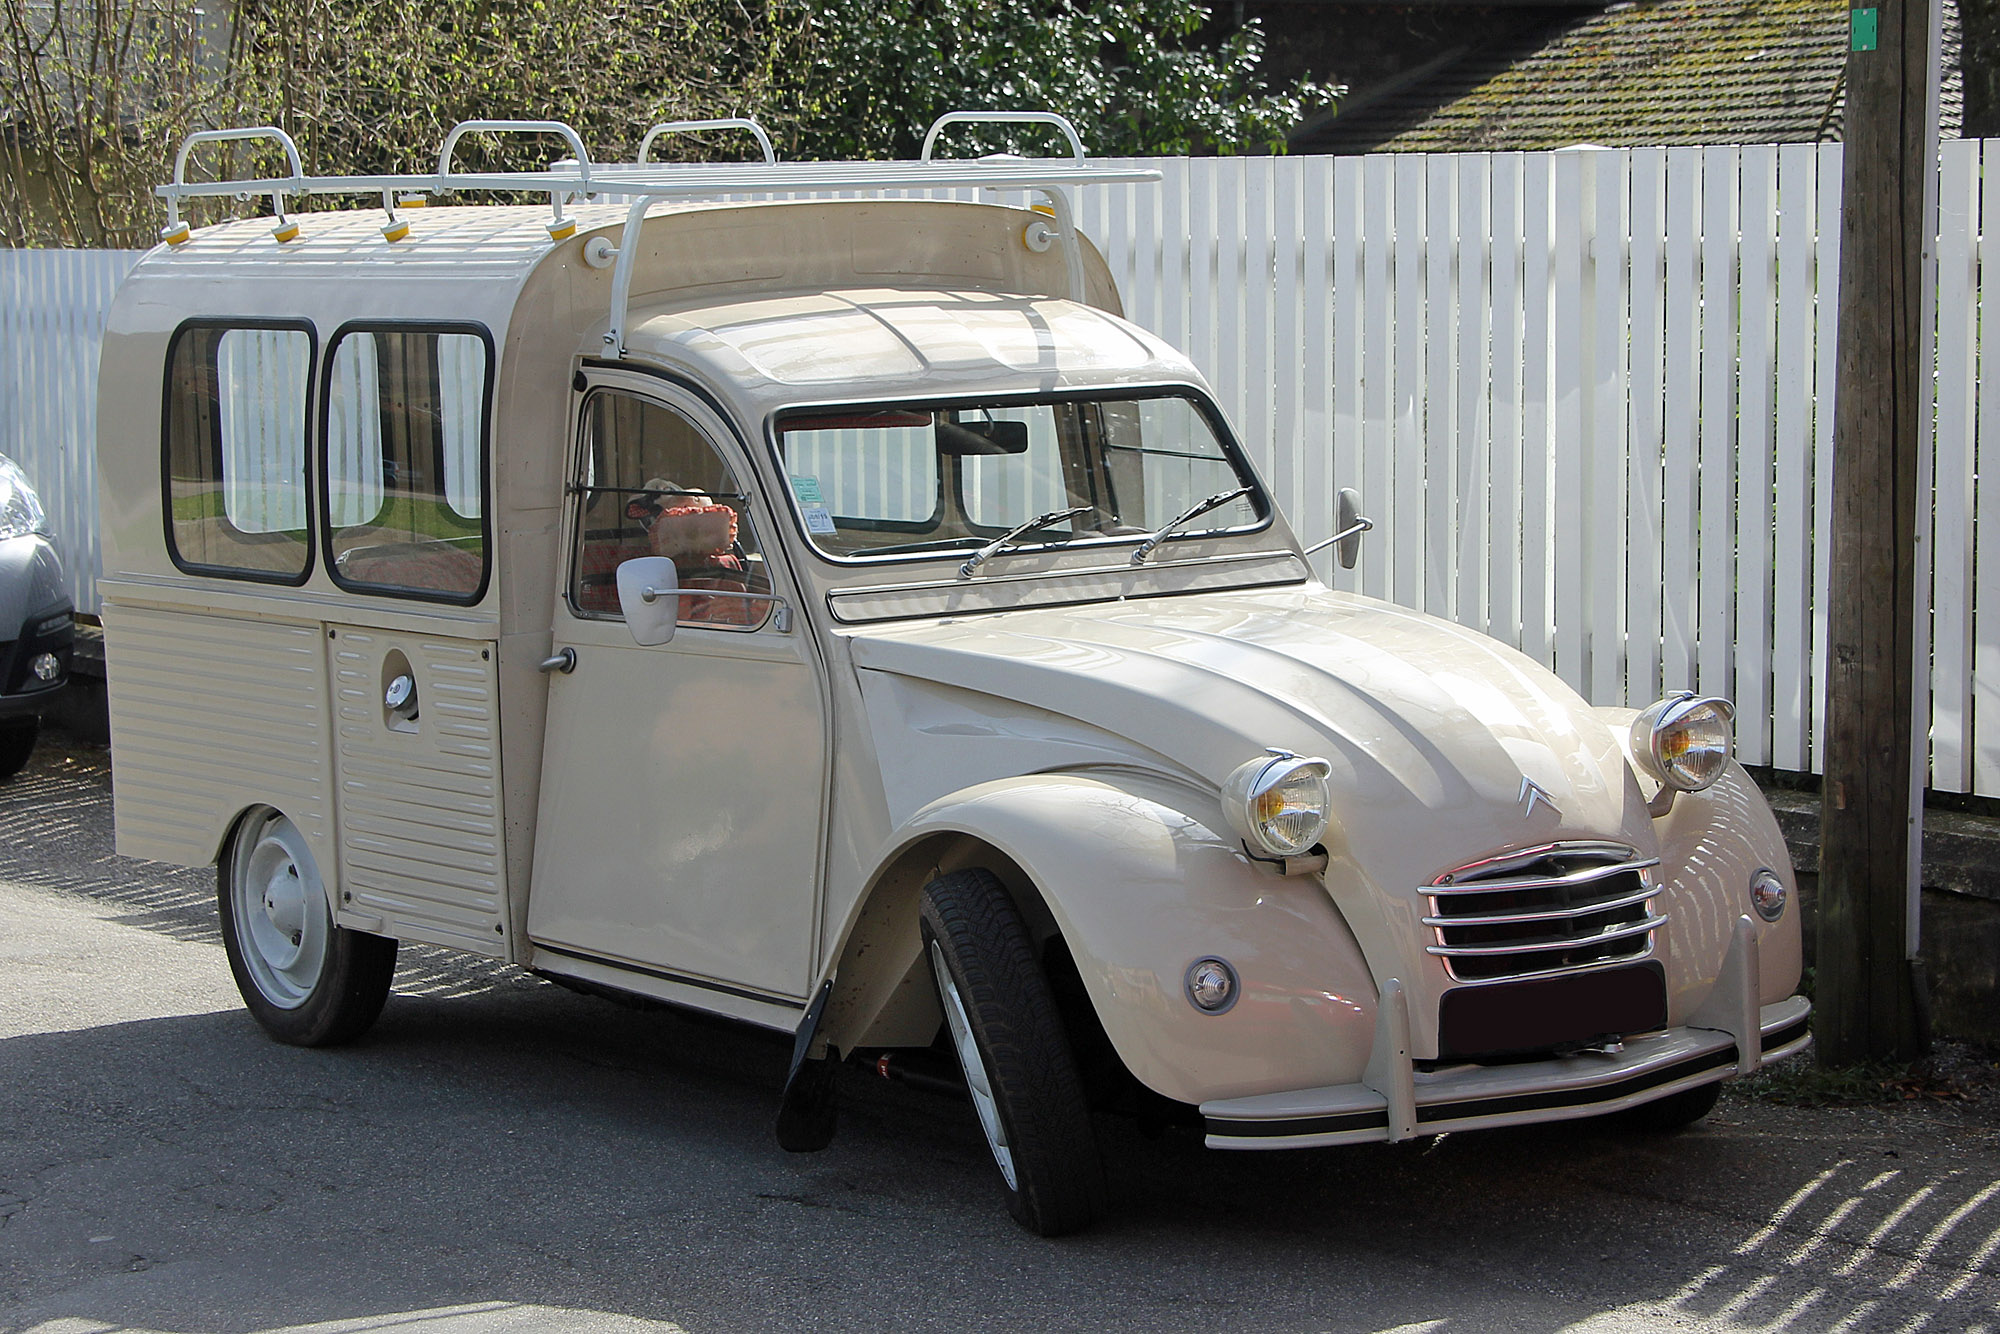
649, 595
959, 439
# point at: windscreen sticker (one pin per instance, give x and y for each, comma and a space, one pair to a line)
813, 504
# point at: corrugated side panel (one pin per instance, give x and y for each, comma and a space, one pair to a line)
421, 837
211, 714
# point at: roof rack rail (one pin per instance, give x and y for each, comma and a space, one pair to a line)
646, 183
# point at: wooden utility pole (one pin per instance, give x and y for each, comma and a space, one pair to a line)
1870, 816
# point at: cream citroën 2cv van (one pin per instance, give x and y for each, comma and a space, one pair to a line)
831, 615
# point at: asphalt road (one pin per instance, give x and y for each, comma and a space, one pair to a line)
499, 1154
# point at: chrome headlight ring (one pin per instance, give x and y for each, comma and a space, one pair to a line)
1280, 803
1684, 741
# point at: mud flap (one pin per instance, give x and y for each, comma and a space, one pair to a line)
808, 1111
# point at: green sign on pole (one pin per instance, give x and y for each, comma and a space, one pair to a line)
1863, 27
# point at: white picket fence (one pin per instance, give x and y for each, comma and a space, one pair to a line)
1587, 396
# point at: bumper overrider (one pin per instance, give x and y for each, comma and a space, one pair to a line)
1729, 1035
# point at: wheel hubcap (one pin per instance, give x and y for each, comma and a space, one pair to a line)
279, 904
977, 1082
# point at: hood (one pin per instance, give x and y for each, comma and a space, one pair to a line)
1431, 729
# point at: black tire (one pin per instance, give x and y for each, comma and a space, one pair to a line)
306, 981
17, 743
1036, 1119
1676, 1111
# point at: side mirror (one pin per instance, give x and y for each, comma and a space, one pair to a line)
649, 595
1348, 521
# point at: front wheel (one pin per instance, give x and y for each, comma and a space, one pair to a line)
1009, 1038
307, 981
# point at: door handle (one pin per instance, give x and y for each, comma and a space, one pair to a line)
563, 660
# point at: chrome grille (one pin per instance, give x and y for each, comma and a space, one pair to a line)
1553, 909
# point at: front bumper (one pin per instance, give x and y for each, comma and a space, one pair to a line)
1478, 1097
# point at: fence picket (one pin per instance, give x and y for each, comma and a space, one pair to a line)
1646, 273
1951, 531
1537, 387
1472, 359
1791, 562
1985, 606
1716, 601
1378, 197
1757, 358
1407, 519
1605, 465
1570, 424
1503, 501
1350, 465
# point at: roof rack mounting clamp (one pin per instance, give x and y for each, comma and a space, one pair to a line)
695, 126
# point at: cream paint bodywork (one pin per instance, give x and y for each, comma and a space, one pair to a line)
1430, 730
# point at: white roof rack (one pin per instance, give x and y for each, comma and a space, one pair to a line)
645, 182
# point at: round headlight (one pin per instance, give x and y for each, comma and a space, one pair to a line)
1278, 802
1685, 742
1767, 894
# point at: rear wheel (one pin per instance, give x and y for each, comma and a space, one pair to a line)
17, 742
1008, 1035
307, 981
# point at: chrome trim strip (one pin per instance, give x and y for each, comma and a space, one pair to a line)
1501, 885
1546, 947
1557, 915
1507, 861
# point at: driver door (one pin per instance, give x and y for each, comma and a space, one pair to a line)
683, 784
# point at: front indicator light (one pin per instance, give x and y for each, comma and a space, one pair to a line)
1278, 802
1211, 985
1685, 741
1768, 894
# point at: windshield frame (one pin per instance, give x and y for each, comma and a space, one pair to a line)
1204, 404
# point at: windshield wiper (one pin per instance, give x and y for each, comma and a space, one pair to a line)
1014, 534
1194, 511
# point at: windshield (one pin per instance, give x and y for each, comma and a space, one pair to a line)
921, 479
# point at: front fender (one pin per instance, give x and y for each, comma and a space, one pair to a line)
1136, 876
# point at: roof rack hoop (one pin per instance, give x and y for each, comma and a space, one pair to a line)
297, 183
1003, 118
555, 127
695, 126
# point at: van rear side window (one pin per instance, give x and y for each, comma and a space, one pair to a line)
405, 461
236, 451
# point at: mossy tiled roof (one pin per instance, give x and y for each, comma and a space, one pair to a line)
1654, 72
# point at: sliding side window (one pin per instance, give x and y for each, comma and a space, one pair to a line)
235, 474
406, 442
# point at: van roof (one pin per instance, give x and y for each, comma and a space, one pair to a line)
888, 343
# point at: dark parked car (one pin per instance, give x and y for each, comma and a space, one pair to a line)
36, 618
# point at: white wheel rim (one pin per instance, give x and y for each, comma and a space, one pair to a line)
977, 1082
282, 922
